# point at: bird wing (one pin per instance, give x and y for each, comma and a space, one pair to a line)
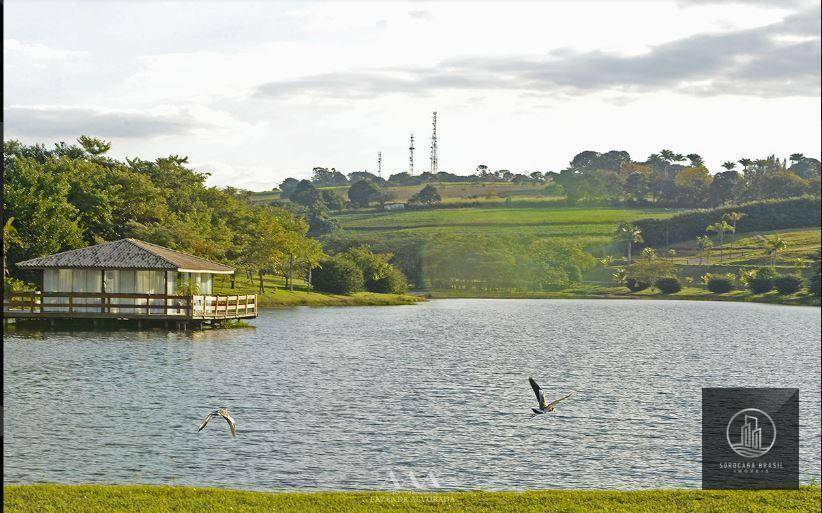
554, 403
537, 392
205, 421
228, 418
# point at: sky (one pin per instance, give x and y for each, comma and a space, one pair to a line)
256, 92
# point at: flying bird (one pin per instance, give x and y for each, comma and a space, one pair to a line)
543, 406
222, 412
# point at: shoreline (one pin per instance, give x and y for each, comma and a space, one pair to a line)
160, 498
604, 293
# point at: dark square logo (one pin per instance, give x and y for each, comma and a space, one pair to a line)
750, 438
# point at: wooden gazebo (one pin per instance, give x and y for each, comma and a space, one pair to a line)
127, 279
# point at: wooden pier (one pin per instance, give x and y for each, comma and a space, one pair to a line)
156, 307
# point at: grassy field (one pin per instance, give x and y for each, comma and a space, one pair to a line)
427, 241
276, 293
747, 250
593, 226
156, 499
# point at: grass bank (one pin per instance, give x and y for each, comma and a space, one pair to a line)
150, 499
586, 291
277, 294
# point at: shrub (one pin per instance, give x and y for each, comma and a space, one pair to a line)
635, 285
337, 275
668, 285
720, 285
762, 281
393, 282
788, 284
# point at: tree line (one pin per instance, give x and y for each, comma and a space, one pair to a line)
74, 195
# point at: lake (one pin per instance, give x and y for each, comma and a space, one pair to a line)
434, 394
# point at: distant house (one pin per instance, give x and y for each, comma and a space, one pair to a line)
133, 273
395, 206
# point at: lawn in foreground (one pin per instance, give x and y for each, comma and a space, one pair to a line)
150, 499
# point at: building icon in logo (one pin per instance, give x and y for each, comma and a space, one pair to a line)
751, 433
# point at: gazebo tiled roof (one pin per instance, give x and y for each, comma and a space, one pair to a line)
126, 254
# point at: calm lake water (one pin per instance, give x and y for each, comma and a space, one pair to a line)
346, 398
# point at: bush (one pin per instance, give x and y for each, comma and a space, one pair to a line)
337, 275
668, 285
393, 282
764, 215
720, 285
762, 281
635, 285
788, 284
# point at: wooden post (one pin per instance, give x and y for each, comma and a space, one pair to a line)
103, 290
237, 307
70, 303
148, 304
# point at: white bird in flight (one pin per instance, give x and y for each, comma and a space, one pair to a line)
543, 406
222, 412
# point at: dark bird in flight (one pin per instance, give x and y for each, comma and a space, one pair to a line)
543, 406
222, 412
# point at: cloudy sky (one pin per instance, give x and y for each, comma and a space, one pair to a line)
255, 92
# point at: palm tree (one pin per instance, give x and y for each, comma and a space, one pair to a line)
696, 160
649, 253
705, 244
720, 227
667, 156
773, 246
733, 217
746, 162
729, 166
629, 233
796, 157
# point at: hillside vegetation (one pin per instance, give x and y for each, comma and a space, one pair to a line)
489, 248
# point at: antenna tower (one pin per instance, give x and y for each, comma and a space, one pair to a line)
411, 155
379, 163
434, 164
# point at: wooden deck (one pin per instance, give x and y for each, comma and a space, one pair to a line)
96, 305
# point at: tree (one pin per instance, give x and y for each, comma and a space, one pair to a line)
429, 195
773, 246
10, 237
796, 157
288, 185
720, 227
693, 185
332, 200
323, 177
723, 187
305, 194
696, 160
729, 165
733, 218
363, 193
649, 253
629, 234
704, 243
93, 145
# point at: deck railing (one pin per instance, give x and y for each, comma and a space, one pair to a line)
99, 304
